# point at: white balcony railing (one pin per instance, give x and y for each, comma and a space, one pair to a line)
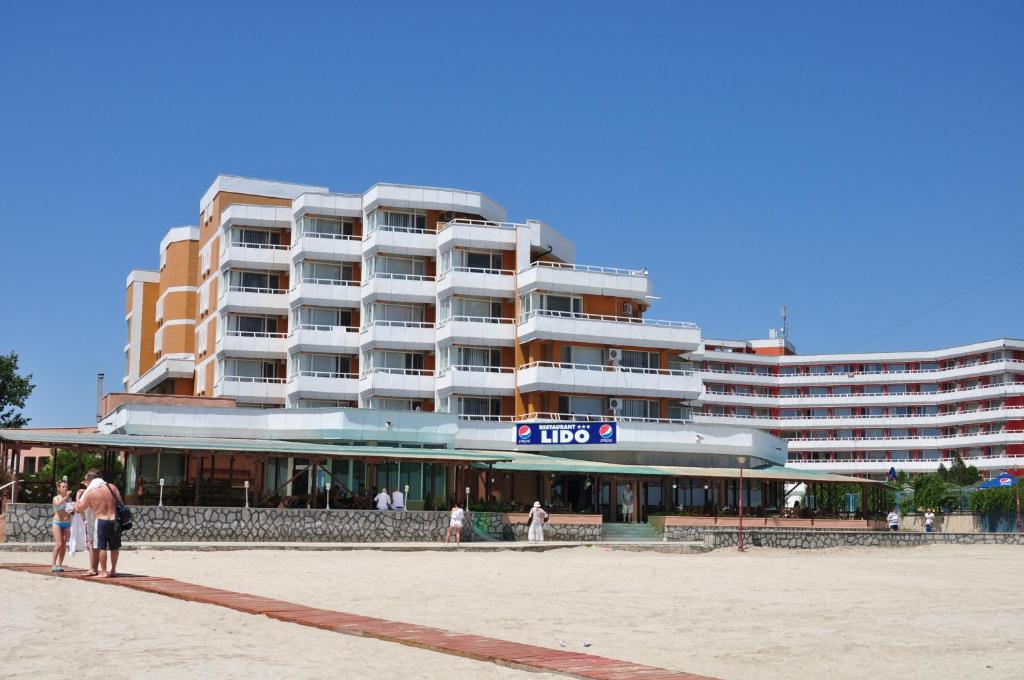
324, 246
591, 418
251, 344
397, 382
251, 389
608, 330
397, 334
477, 380
560, 277
476, 234
400, 288
326, 292
322, 385
476, 330
331, 339
252, 300
623, 381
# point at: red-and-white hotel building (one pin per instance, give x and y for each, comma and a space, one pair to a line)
421, 299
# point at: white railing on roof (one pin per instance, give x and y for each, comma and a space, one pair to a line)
603, 368
585, 268
476, 223
523, 318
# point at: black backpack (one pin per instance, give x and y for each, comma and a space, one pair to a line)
123, 515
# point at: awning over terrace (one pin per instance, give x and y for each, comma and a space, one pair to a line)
143, 444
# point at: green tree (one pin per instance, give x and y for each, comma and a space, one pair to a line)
942, 472
14, 390
930, 491
994, 500
962, 474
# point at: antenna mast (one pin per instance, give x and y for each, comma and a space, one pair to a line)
785, 323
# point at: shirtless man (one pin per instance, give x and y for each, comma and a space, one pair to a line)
101, 500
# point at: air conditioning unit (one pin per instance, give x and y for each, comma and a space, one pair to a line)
614, 355
615, 406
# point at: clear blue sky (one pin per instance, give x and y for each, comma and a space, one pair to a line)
860, 162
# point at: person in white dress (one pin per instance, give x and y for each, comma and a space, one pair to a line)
537, 518
458, 516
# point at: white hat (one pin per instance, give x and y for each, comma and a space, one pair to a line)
536, 504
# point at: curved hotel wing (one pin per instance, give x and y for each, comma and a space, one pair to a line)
405, 300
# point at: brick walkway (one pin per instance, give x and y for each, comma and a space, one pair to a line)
501, 652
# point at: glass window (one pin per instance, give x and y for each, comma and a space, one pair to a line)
479, 406
640, 408
819, 391
788, 370
249, 368
897, 389
872, 389
637, 359
322, 318
842, 391
588, 406
251, 325
324, 365
592, 356
476, 307
328, 227
254, 280
396, 313
563, 303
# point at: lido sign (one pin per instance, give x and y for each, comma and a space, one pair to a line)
566, 433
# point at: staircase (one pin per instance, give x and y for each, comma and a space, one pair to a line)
629, 532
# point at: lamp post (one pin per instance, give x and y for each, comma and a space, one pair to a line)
246, 492
707, 486
160, 503
742, 460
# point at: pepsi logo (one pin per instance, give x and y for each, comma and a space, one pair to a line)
1005, 481
524, 431
605, 431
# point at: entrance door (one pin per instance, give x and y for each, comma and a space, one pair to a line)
626, 501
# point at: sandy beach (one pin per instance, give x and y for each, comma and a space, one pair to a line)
930, 612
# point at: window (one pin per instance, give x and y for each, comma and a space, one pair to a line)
201, 339
395, 361
478, 406
874, 411
562, 304
397, 404
395, 313
458, 258
789, 370
394, 219
897, 389
593, 356
326, 272
640, 408
30, 464
586, 406
818, 391
254, 281
818, 370
251, 326
477, 308
322, 403
929, 366
637, 359
484, 357
204, 299
328, 227
872, 389
842, 391
255, 237
322, 318
929, 388
322, 365
842, 413
249, 368
389, 265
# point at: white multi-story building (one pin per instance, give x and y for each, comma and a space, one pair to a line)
423, 299
866, 413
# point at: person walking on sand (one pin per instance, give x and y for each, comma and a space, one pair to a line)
536, 518
455, 521
61, 526
383, 500
893, 520
103, 500
929, 521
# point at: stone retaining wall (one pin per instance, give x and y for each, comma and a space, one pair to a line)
809, 538
501, 526
30, 523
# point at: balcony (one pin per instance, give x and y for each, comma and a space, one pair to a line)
880, 465
410, 335
245, 300
326, 339
397, 382
262, 216
477, 330
329, 247
965, 417
250, 390
320, 385
400, 288
325, 293
476, 234
542, 324
618, 381
487, 381
254, 255
247, 344
948, 441
978, 393
560, 277
495, 283
400, 241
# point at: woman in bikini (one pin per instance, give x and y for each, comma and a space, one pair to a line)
61, 526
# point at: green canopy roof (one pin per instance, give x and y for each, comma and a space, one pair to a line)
56, 439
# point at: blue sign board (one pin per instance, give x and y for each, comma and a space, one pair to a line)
566, 433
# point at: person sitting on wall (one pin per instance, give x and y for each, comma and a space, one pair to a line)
382, 500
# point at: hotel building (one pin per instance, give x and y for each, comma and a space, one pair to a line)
419, 299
